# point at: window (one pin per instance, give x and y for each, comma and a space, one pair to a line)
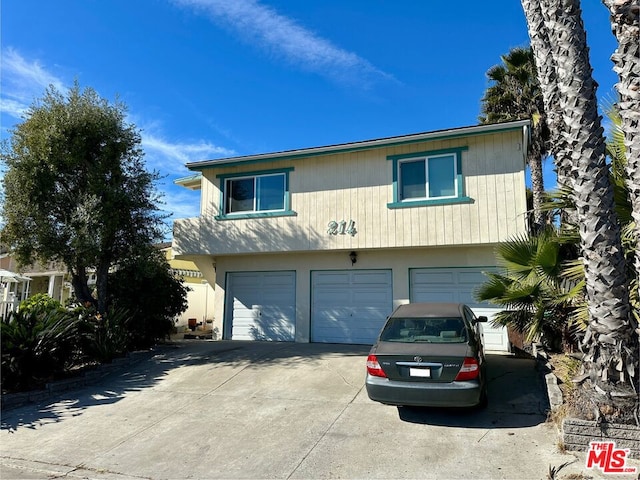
428, 178
255, 194
429, 330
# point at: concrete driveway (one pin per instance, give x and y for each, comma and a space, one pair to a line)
203, 409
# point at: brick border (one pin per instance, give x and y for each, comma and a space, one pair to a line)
575, 433
14, 400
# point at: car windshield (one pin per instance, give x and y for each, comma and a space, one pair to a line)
430, 330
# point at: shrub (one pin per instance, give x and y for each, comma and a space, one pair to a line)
36, 346
40, 303
105, 337
146, 287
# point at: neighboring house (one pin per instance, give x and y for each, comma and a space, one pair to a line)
200, 296
51, 278
54, 280
320, 244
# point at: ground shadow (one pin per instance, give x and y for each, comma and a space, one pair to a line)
517, 398
150, 369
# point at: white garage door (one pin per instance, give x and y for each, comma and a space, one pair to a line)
458, 285
261, 306
350, 306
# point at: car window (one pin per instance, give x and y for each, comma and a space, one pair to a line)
431, 330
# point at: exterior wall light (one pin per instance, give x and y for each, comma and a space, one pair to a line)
353, 256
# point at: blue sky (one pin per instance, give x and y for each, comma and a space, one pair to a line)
206, 79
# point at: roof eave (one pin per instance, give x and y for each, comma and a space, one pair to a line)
363, 145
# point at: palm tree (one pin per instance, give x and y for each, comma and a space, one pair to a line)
515, 94
625, 23
610, 359
623, 194
540, 288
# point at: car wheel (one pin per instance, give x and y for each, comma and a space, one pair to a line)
484, 400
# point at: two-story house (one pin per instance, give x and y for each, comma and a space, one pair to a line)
320, 244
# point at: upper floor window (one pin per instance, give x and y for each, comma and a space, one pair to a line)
255, 194
428, 178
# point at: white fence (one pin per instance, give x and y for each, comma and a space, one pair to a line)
8, 306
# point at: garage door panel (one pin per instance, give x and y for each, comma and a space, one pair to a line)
262, 306
459, 285
246, 281
355, 311
370, 297
434, 296
332, 314
433, 278
331, 296
273, 280
335, 278
369, 278
363, 314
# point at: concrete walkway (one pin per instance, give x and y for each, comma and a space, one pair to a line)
205, 409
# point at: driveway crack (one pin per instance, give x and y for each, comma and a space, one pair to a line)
324, 434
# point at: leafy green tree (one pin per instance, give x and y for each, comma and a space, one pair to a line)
76, 188
515, 94
147, 288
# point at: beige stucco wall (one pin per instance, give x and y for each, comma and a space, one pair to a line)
358, 186
399, 261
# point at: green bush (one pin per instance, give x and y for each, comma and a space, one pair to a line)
39, 303
105, 337
146, 287
37, 346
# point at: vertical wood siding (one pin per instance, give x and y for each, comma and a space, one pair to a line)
358, 186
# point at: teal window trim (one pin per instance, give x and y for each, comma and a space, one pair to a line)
285, 212
241, 216
460, 196
427, 203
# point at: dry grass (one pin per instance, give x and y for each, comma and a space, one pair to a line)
565, 368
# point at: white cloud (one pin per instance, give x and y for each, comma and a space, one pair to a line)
172, 156
181, 203
264, 27
22, 82
25, 80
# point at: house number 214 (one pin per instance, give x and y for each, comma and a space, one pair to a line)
342, 228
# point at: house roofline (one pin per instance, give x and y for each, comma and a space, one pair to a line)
353, 146
192, 182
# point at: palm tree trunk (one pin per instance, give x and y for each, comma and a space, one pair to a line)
537, 189
608, 361
548, 79
625, 24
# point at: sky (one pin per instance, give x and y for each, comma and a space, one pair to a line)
205, 79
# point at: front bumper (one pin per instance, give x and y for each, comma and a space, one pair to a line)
454, 394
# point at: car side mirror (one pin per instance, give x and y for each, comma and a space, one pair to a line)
482, 319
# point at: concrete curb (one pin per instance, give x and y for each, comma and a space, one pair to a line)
554, 393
